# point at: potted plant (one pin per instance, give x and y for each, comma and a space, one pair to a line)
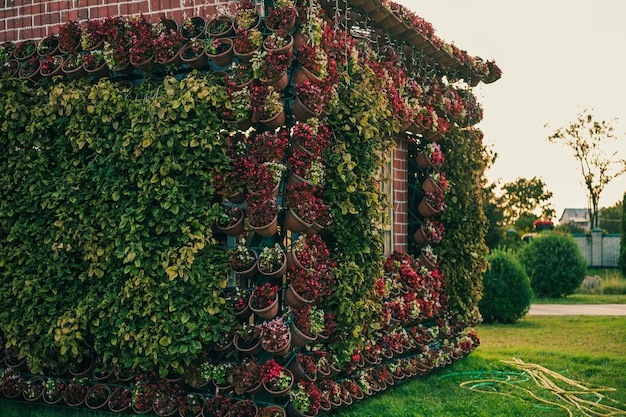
97, 396
50, 65
244, 408
92, 35
12, 382
220, 51
307, 322
246, 377
193, 27
304, 207
144, 392
94, 63
427, 257
246, 43
267, 106
272, 411
282, 17
264, 300
432, 204
73, 66
435, 182
271, 68
269, 147
239, 115
48, 45
303, 367
29, 70
240, 77
243, 260
431, 231
215, 372
191, 405
262, 214
304, 167
230, 220
246, 16
53, 390
279, 42
167, 398
247, 339
273, 261
120, 399
6, 51
277, 380
312, 64
168, 41
311, 100
142, 43
310, 137
217, 406
220, 27
275, 337
305, 398
69, 37
193, 53
239, 300
263, 178
430, 156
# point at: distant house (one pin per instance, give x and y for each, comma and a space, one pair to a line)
577, 216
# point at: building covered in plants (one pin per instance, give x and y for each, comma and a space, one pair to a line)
246, 208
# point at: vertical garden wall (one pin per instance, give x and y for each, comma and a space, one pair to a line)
192, 215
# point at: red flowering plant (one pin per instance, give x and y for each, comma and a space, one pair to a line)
240, 74
167, 397
48, 63
48, 44
120, 398
239, 99
314, 95
262, 177
440, 179
53, 389
92, 34
309, 320
168, 41
217, 406
245, 376
330, 390
434, 153
265, 102
116, 44
305, 282
69, 37
11, 382
277, 40
229, 215
274, 334
268, 146
191, 405
195, 48
243, 257
313, 136
303, 200
307, 166
93, 60
433, 230
270, 65
76, 391
261, 209
141, 39
263, 295
282, 16
314, 59
330, 323
239, 299
247, 40
436, 199
145, 389
306, 397
216, 46
244, 408
275, 376
307, 364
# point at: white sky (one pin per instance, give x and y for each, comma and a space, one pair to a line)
558, 57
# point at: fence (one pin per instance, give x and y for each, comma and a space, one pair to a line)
598, 249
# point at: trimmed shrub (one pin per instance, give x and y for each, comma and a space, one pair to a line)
507, 292
554, 264
622, 256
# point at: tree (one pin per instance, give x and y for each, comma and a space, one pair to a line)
588, 139
610, 218
524, 200
495, 216
622, 256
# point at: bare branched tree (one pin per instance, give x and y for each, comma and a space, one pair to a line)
599, 166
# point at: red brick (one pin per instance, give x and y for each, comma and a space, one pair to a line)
9, 35
113, 10
98, 12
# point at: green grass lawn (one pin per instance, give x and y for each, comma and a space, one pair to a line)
589, 349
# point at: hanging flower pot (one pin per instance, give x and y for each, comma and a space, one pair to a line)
9, 68
246, 44
193, 27
247, 341
275, 337
295, 300
244, 260
221, 52
193, 54
294, 223
277, 380
119, 400
264, 301
29, 70
274, 122
302, 75
33, 389
303, 368
98, 396
301, 112
73, 67
220, 27
299, 338
25, 50
230, 222
272, 262
244, 408
83, 367
48, 46
426, 209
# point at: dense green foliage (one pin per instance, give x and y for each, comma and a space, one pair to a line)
554, 264
105, 222
507, 292
463, 250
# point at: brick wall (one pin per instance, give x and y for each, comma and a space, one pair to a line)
400, 196
35, 19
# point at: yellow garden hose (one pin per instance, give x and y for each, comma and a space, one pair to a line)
569, 392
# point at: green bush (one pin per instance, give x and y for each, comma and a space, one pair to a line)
622, 256
507, 292
554, 264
